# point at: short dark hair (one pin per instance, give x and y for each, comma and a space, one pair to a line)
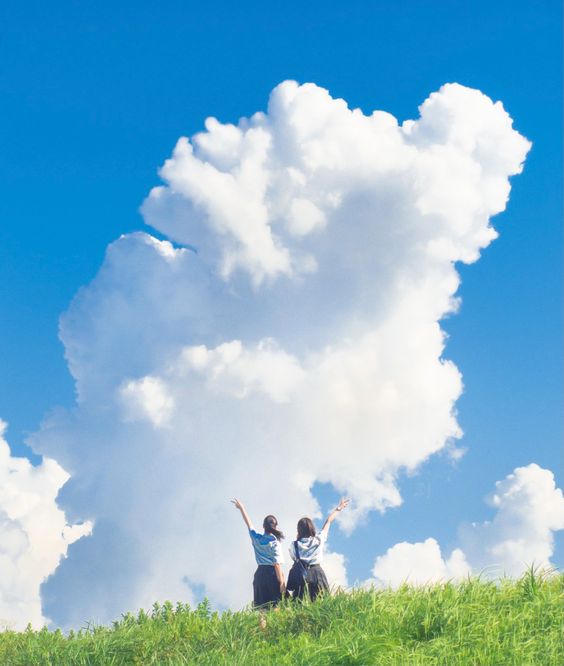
306, 528
270, 525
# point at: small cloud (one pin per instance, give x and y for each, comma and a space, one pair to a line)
147, 398
418, 564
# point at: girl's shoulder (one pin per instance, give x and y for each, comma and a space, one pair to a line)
262, 538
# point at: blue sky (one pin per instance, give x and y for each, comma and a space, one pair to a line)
94, 97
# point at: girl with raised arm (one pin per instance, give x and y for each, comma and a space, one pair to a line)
268, 582
307, 553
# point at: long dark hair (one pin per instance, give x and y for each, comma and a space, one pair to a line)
306, 528
270, 525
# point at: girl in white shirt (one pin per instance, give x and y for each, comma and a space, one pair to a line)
268, 582
307, 553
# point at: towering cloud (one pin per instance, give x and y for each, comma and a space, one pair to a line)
290, 335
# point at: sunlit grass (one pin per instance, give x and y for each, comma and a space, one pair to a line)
474, 622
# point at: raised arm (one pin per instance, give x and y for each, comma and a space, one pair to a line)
239, 505
343, 503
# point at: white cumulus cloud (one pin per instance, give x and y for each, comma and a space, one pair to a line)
238, 371
147, 398
334, 565
529, 509
294, 338
418, 564
34, 534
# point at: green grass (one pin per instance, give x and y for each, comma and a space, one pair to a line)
475, 622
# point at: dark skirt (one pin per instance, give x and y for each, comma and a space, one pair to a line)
266, 588
316, 583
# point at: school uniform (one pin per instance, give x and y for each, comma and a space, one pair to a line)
268, 552
309, 551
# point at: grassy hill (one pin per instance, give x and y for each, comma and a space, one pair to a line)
475, 622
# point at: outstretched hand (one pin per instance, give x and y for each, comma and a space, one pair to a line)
239, 505
343, 503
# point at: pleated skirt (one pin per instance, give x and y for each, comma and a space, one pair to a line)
266, 588
316, 583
